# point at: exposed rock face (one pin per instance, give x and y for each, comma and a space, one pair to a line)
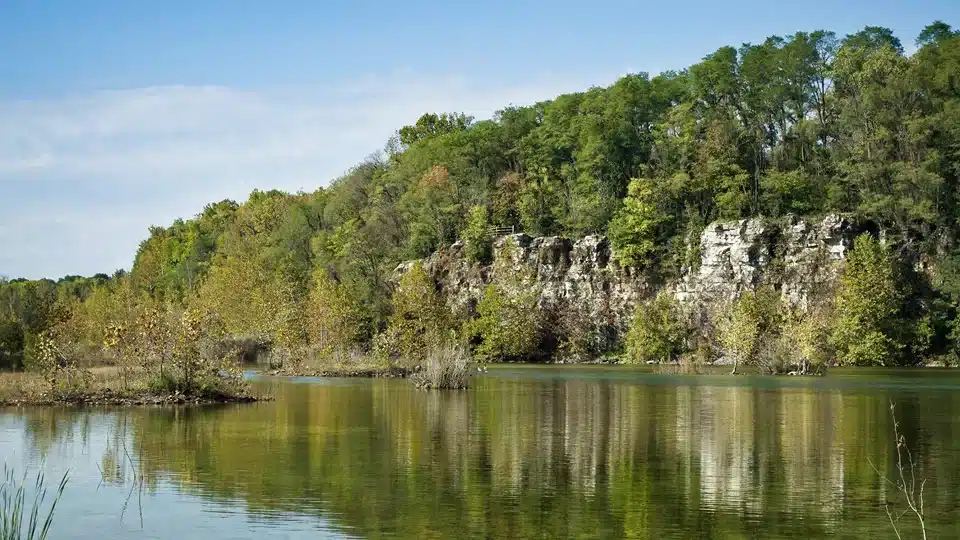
792, 255
565, 273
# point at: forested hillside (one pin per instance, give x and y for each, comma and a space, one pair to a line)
807, 124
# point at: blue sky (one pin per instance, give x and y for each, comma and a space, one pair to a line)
115, 115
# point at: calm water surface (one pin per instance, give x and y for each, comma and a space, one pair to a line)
528, 452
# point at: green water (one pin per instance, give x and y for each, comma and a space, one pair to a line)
528, 452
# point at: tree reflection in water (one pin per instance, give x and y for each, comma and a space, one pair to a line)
544, 456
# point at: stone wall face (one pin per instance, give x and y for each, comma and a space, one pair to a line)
795, 256
792, 255
567, 275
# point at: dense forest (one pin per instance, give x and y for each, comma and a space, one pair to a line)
804, 124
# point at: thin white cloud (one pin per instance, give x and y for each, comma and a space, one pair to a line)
83, 176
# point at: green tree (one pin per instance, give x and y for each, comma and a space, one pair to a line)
433, 125
420, 321
634, 229
657, 332
334, 318
753, 322
868, 301
11, 342
872, 38
508, 326
476, 237
935, 33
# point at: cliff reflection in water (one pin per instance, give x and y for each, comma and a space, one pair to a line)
555, 457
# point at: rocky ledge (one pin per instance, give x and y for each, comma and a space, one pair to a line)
793, 255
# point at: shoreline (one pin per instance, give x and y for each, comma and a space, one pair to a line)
117, 399
719, 367
361, 372
104, 388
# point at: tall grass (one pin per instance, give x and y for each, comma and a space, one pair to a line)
445, 367
20, 518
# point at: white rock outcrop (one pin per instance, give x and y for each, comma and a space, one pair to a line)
792, 255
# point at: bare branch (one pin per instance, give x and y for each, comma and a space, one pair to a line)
893, 523
907, 489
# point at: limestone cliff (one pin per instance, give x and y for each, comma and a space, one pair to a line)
792, 255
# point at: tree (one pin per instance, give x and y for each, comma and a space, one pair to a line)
11, 342
754, 319
872, 38
479, 247
867, 305
334, 320
432, 211
657, 332
506, 200
935, 33
420, 321
633, 231
803, 124
508, 326
433, 125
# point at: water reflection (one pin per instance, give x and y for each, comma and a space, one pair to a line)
536, 453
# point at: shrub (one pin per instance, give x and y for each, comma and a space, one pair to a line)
444, 367
583, 335
64, 377
657, 332
177, 350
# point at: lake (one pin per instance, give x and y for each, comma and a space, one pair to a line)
527, 452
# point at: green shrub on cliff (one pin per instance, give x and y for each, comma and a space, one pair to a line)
658, 331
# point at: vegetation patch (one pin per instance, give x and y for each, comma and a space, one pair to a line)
105, 386
444, 368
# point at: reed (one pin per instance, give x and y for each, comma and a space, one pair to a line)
445, 367
20, 516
